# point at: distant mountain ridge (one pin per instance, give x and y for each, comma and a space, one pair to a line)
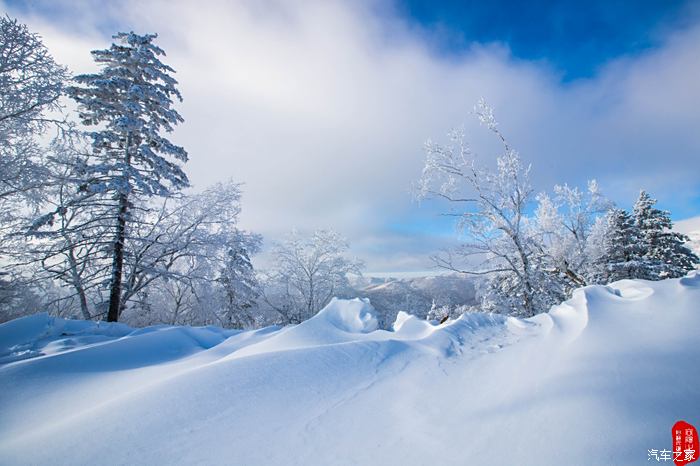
415, 295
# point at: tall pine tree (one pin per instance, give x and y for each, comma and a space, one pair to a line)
622, 256
239, 283
130, 101
664, 249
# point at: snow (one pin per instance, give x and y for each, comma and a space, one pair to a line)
353, 316
599, 379
690, 227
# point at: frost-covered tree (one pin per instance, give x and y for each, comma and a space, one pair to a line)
239, 284
439, 314
491, 210
664, 249
183, 247
622, 253
175, 257
130, 102
69, 243
31, 83
306, 273
565, 220
19, 298
595, 250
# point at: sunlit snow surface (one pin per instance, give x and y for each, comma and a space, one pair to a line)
598, 380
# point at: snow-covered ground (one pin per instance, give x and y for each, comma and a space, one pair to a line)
600, 379
690, 227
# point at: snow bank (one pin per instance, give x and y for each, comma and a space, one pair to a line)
354, 316
41, 334
599, 379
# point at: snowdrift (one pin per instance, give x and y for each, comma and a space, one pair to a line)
599, 379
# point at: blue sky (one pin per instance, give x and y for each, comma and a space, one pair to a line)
321, 107
576, 37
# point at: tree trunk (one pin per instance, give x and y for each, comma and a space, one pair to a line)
83, 303
528, 303
115, 287
78, 285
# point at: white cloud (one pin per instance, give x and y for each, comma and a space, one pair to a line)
321, 108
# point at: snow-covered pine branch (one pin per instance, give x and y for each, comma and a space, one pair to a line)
665, 252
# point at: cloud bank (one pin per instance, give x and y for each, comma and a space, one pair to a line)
321, 109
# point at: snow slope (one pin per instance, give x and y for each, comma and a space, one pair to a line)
598, 380
690, 227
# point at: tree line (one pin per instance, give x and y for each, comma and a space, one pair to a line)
97, 223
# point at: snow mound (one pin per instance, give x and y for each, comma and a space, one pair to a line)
353, 316
408, 324
340, 321
598, 380
692, 280
40, 334
631, 289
